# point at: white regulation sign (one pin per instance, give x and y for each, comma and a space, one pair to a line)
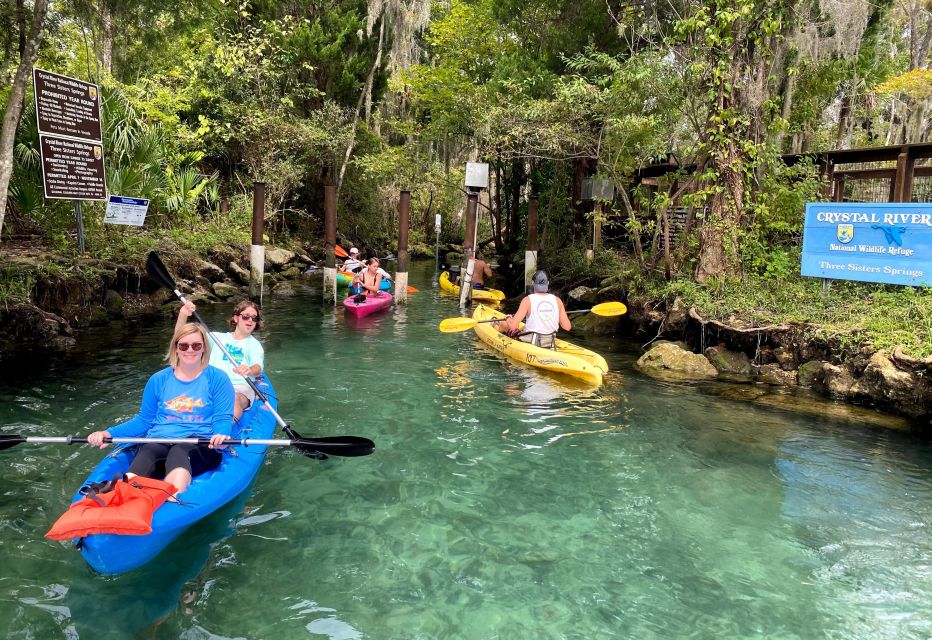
123, 210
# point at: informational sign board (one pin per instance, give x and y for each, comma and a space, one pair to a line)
598, 189
123, 210
889, 243
72, 169
67, 106
477, 175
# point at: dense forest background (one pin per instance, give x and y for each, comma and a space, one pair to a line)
201, 98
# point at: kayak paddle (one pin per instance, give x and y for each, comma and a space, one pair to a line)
337, 445
347, 446
453, 325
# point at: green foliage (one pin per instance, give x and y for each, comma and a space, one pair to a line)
573, 268
16, 286
771, 240
852, 313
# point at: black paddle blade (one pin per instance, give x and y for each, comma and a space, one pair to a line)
342, 446
157, 271
7, 441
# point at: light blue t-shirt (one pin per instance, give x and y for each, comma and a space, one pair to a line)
172, 408
248, 351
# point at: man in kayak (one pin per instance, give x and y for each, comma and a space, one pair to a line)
247, 352
186, 399
542, 312
480, 271
353, 263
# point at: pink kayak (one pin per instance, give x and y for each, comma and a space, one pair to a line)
369, 303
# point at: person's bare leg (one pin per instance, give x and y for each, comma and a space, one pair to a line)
180, 478
239, 406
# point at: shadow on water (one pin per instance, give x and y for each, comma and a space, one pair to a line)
139, 601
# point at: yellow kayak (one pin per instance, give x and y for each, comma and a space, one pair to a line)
566, 358
493, 296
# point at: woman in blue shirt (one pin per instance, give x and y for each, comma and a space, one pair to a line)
187, 399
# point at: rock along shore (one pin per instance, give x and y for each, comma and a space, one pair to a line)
682, 345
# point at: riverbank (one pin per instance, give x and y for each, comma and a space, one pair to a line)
46, 300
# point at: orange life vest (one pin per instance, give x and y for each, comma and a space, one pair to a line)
125, 509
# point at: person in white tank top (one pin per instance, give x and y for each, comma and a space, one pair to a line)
542, 312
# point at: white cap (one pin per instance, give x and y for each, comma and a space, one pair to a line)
354, 250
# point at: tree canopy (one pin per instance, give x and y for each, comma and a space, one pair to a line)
203, 98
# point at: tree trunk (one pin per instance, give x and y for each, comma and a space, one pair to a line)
21, 24
378, 63
920, 38
517, 179
106, 45
576, 203
14, 106
633, 233
718, 235
786, 108
366, 91
497, 213
914, 121
844, 120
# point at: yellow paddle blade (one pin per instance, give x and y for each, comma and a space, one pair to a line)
609, 309
452, 325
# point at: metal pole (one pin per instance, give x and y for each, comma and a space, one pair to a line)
257, 249
330, 241
437, 245
597, 227
469, 251
401, 275
80, 220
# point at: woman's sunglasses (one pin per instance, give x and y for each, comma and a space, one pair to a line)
195, 346
249, 316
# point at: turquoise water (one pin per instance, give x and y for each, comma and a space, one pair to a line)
500, 503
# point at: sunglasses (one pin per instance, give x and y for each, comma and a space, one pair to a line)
249, 316
195, 346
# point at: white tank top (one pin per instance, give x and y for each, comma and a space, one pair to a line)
544, 315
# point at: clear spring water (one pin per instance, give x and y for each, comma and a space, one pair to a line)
501, 503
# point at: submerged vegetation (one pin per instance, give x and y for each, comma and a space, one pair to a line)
201, 100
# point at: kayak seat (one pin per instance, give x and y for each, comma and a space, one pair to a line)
543, 340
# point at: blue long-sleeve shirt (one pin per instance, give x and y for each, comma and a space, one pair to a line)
172, 408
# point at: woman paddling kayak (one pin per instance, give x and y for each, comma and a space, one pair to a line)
189, 398
369, 281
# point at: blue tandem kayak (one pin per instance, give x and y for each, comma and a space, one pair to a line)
112, 554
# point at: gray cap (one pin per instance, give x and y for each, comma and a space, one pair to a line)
540, 282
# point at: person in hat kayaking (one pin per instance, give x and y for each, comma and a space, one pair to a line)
542, 312
189, 398
353, 264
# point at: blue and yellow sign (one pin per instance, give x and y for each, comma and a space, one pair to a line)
890, 243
